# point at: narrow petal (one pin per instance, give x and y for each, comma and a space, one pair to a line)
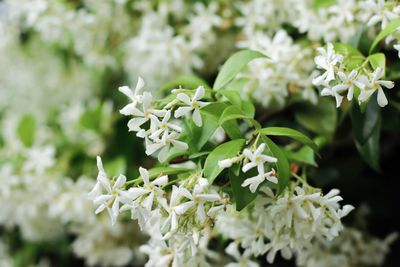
135, 123
197, 117
126, 91
199, 94
184, 98
182, 111
145, 175
160, 181
382, 100
119, 182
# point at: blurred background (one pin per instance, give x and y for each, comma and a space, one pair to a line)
62, 61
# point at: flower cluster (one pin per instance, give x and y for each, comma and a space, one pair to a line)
160, 132
336, 80
288, 223
253, 159
176, 221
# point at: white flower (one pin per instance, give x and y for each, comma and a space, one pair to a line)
381, 13
143, 115
243, 260
376, 84
257, 159
173, 216
164, 144
197, 199
193, 105
133, 95
151, 189
39, 159
162, 126
326, 61
254, 182
111, 195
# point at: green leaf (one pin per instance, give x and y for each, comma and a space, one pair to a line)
233, 65
232, 113
352, 57
363, 124
377, 60
187, 81
282, 165
235, 99
26, 130
242, 195
370, 150
156, 171
390, 28
320, 118
283, 131
232, 129
221, 152
305, 155
317, 4
116, 166
91, 118
232, 96
355, 39
210, 125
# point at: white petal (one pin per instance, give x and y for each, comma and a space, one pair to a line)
126, 91
184, 98
248, 166
145, 175
120, 181
199, 94
382, 100
197, 117
139, 85
182, 111
387, 84
182, 208
179, 145
135, 123
160, 181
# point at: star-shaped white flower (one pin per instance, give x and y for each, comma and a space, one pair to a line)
162, 126
192, 105
142, 116
111, 197
254, 182
163, 145
257, 159
197, 199
376, 84
134, 96
151, 189
327, 61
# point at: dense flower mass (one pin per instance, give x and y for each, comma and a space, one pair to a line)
238, 121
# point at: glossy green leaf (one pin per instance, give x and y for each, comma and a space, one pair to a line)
282, 165
221, 152
26, 130
352, 57
377, 60
231, 113
370, 150
242, 195
234, 65
320, 118
210, 125
283, 131
188, 81
303, 156
363, 124
390, 28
